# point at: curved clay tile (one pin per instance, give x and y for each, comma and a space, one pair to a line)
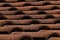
49, 17
26, 17
27, 4
6, 5
13, 9
41, 12
34, 8
46, 3
19, 13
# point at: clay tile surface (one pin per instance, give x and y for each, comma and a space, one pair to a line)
29, 19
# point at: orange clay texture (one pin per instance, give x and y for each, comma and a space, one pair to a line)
29, 19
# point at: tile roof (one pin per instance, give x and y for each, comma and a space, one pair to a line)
29, 19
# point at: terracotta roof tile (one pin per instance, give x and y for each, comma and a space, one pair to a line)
29, 19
